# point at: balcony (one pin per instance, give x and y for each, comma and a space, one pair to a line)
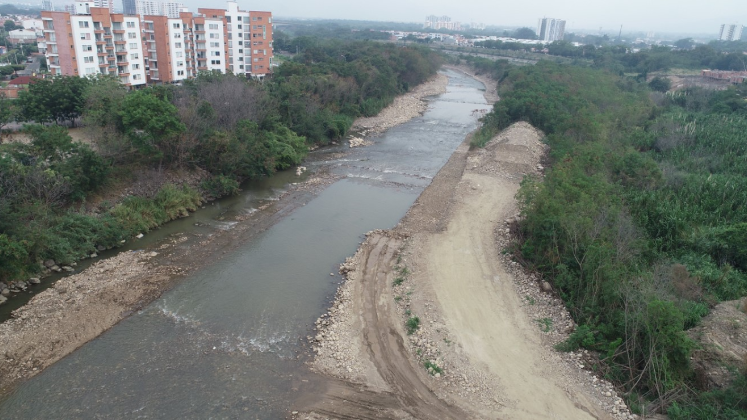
122, 42
118, 31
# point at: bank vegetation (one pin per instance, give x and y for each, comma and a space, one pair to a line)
640, 222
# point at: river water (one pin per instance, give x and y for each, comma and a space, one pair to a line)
227, 341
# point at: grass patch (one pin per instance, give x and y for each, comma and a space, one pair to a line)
412, 325
545, 324
433, 368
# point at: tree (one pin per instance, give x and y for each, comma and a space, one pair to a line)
660, 84
525, 33
10, 26
684, 43
53, 100
149, 121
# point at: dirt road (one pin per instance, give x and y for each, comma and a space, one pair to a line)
491, 355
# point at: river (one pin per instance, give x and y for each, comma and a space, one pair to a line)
228, 340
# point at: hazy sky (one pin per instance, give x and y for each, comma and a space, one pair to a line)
644, 15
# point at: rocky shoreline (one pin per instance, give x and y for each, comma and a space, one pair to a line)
403, 109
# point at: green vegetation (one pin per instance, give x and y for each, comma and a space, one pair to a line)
412, 325
233, 128
545, 324
620, 58
433, 368
640, 222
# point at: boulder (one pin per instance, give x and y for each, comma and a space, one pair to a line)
34, 280
68, 268
3, 299
5, 292
100, 248
546, 287
49, 263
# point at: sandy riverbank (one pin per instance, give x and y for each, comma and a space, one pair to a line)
483, 346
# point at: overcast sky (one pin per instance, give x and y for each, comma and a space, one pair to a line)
639, 15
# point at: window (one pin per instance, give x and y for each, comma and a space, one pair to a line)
213, 26
130, 24
241, 58
85, 37
241, 42
177, 25
215, 62
88, 59
133, 45
91, 70
87, 48
134, 56
228, 19
215, 53
215, 45
180, 63
177, 35
241, 51
179, 54
135, 66
83, 24
214, 36
240, 27
136, 76
177, 45
131, 35
180, 72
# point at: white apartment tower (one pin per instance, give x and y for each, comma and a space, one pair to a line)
549, 29
730, 32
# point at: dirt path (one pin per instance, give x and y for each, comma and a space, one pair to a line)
483, 311
493, 360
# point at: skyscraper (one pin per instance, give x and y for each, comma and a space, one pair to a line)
730, 32
129, 7
550, 29
47, 5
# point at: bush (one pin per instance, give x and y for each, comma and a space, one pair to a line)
219, 186
412, 325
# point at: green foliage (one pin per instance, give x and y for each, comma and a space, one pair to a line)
139, 214
640, 221
660, 84
149, 120
433, 368
412, 325
219, 186
53, 100
720, 404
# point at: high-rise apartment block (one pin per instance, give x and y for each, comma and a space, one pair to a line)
94, 41
157, 48
47, 5
730, 32
550, 29
248, 39
441, 22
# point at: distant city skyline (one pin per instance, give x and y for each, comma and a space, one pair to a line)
685, 16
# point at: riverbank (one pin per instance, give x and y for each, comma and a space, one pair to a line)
55, 323
433, 315
402, 109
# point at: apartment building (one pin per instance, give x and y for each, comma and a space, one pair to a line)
179, 49
157, 48
730, 32
549, 29
248, 39
94, 41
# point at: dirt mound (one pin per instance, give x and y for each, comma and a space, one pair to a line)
722, 336
515, 152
